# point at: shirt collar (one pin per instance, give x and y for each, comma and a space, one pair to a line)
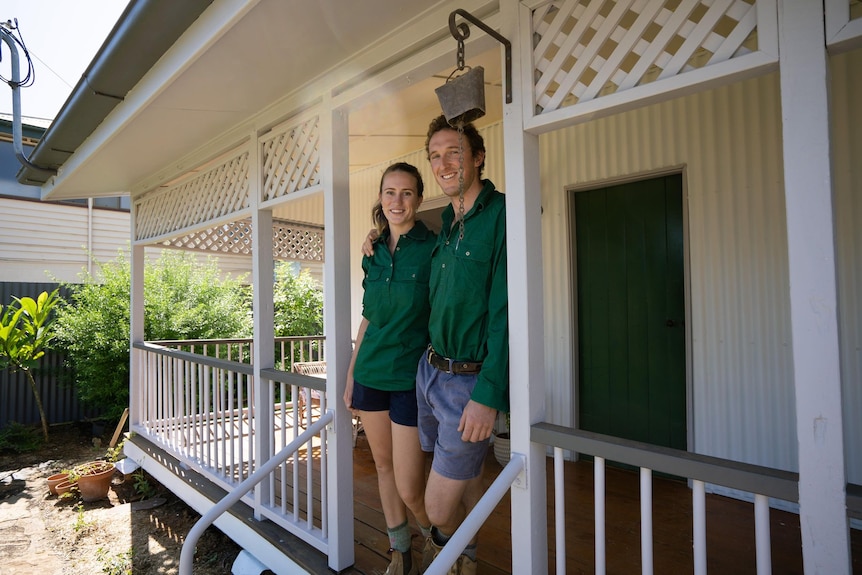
418, 232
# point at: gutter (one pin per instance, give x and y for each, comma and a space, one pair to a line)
143, 33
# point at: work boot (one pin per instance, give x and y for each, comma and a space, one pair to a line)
429, 553
396, 566
463, 566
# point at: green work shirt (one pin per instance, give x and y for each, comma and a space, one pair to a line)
396, 306
469, 296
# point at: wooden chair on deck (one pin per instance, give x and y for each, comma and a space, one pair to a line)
318, 368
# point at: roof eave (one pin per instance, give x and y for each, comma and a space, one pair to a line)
129, 52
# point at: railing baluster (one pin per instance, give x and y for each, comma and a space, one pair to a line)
560, 510
599, 491
762, 534
698, 499
646, 521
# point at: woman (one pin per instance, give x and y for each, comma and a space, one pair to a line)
381, 380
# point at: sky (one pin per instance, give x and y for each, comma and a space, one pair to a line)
62, 37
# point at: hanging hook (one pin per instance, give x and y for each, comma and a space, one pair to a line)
461, 32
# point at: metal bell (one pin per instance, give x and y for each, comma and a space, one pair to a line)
463, 98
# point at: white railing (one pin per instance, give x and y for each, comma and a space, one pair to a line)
761, 482
188, 550
473, 522
288, 349
204, 411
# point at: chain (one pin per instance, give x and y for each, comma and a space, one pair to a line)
460, 55
460, 184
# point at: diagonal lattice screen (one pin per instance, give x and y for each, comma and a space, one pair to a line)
290, 240
217, 192
586, 49
290, 160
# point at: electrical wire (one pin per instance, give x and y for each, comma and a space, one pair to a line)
30, 77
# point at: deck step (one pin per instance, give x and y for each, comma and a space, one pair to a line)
283, 550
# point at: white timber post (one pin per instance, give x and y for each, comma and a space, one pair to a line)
263, 331
804, 72
526, 302
335, 177
136, 326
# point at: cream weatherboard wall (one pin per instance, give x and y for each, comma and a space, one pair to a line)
41, 242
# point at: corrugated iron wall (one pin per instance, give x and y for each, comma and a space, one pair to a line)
847, 182
59, 397
727, 142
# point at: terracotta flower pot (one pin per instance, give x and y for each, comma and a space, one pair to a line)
65, 486
55, 480
94, 479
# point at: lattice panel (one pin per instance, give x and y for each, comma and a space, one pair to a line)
217, 192
291, 160
586, 49
290, 240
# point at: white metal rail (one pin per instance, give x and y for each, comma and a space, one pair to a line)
761, 482
187, 554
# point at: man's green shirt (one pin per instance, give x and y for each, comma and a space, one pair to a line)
469, 295
395, 303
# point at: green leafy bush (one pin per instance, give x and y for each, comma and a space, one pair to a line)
184, 298
297, 301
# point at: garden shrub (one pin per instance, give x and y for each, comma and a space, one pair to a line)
185, 298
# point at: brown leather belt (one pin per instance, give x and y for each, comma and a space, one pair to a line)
452, 366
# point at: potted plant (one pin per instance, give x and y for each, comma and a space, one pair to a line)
94, 479
502, 445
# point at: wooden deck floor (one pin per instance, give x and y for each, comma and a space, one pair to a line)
730, 527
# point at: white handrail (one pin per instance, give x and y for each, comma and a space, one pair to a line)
187, 554
471, 524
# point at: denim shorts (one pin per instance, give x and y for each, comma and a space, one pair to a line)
401, 404
442, 398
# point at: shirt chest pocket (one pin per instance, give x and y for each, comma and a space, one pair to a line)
474, 262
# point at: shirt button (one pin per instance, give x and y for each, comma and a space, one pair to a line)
467, 254
443, 266
387, 279
398, 249
447, 242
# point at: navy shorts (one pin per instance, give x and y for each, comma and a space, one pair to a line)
442, 398
400, 404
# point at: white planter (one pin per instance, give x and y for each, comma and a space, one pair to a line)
502, 448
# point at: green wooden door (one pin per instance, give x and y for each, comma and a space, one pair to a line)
631, 311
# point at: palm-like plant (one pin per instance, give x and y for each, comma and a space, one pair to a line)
25, 334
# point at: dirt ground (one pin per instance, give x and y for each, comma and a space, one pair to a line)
139, 528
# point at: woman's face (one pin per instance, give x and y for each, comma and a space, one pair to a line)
399, 198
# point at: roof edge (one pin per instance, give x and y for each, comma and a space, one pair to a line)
128, 53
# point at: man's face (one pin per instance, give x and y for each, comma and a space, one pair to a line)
443, 155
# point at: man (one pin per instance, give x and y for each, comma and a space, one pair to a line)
462, 381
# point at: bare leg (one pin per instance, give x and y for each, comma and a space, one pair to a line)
447, 501
409, 464
379, 434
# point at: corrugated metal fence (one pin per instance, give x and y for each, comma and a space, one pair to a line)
59, 396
